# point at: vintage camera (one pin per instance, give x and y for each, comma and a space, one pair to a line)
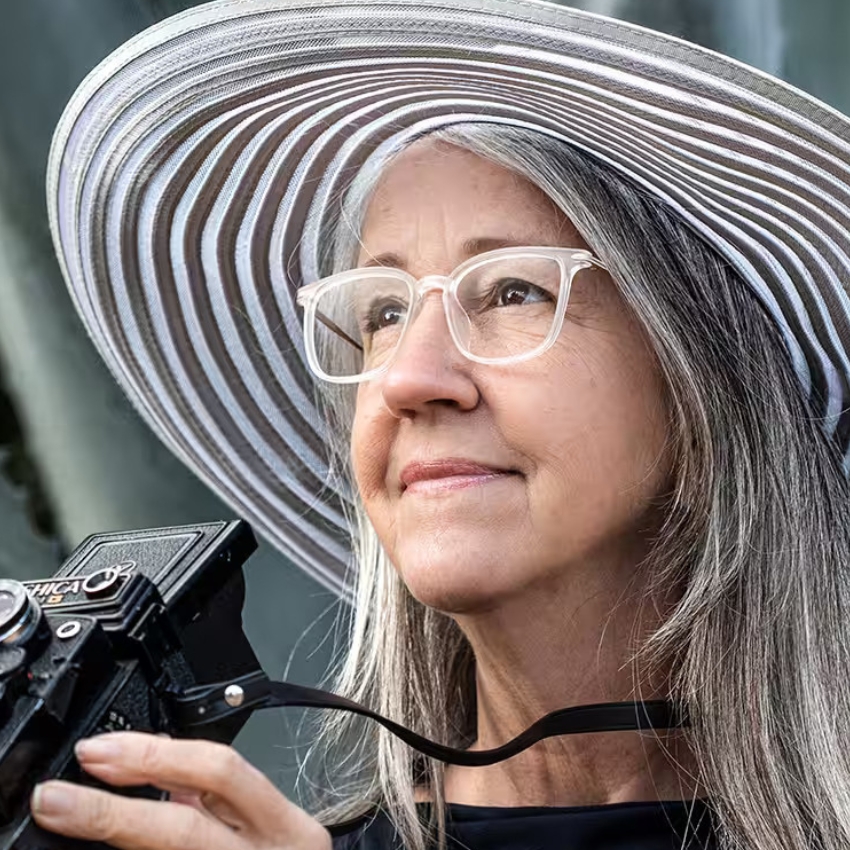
129, 626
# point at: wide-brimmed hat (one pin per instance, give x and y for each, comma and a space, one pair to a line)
193, 171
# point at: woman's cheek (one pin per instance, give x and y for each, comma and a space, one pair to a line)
370, 449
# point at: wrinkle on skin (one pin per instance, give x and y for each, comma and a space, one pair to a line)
540, 568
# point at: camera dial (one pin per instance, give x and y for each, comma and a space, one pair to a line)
103, 582
20, 614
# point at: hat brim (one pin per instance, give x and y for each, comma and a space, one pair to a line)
192, 172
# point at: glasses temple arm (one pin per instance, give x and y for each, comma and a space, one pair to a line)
337, 329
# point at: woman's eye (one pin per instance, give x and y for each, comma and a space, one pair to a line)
515, 293
383, 314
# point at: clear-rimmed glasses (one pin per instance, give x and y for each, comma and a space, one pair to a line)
503, 306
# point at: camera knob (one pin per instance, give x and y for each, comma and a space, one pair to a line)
103, 582
13, 659
20, 614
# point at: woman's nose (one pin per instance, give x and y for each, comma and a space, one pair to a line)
428, 369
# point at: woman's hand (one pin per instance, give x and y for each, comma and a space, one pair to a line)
218, 800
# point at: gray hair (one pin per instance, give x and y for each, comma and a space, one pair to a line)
756, 535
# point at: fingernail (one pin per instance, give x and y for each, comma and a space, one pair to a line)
97, 749
51, 798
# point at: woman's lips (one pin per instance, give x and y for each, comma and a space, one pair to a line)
449, 474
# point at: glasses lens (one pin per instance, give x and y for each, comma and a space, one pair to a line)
358, 324
510, 305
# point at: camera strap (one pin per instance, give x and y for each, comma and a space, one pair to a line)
199, 706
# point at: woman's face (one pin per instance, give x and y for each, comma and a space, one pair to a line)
485, 481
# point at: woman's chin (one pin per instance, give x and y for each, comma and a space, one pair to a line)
454, 586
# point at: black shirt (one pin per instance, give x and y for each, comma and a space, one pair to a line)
621, 826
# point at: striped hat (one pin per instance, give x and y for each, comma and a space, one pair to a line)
193, 170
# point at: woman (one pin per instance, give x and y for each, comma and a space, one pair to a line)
607, 463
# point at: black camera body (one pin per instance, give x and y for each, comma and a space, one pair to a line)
129, 621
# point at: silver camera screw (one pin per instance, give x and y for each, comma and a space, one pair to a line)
234, 696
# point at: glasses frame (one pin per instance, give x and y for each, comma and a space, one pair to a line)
570, 261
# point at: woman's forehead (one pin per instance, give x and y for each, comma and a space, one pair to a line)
435, 193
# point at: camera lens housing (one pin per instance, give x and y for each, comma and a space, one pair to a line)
20, 614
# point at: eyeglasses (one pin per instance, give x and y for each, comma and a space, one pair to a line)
502, 306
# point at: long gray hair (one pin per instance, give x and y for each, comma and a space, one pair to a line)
756, 536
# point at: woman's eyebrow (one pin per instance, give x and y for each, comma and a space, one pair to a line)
482, 244
388, 259
469, 248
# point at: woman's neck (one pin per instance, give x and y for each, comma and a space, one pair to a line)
540, 654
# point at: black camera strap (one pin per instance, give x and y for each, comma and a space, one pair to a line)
199, 706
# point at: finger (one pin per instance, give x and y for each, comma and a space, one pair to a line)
133, 758
186, 797
219, 808
125, 822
